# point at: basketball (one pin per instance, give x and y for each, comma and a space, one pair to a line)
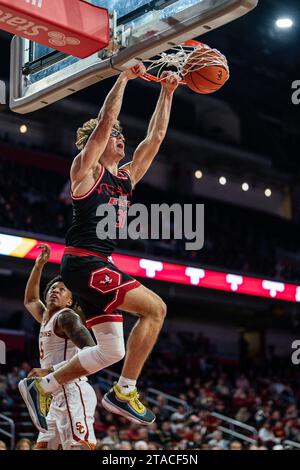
206, 70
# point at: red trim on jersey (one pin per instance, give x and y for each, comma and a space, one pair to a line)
77, 198
120, 295
72, 250
122, 177
65, 350
70, 417
84, 413
126, 171
103, 319
129, 176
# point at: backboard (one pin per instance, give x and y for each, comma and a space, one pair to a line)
139, 30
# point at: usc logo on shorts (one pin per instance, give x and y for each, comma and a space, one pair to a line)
79, 427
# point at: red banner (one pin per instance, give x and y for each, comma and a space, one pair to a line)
161, 270
189, 275
71, 26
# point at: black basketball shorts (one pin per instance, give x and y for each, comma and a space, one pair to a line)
99, 286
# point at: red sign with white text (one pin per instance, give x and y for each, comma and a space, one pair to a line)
191, 275
71, 26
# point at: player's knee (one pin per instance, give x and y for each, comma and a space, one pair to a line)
162, 310
159, 311
118, 353
111, 349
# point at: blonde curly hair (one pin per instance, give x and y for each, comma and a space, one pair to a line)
85, 132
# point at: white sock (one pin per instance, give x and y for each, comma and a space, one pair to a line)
49, 383
126, 385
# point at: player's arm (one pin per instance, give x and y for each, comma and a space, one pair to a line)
32, 300
69, 324
108, 115
148, 149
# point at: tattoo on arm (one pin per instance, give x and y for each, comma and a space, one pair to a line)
70, 324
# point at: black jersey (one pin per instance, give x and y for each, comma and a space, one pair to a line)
115, 191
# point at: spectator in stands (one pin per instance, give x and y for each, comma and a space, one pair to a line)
236, 445
178, 415
3, 445
266, 435
6, 401
141, 445
222, 388
112, 437
166, 435
143, 434
101, 446
218, 441
24, 444
153, 433
14, 378
125, 445
253, 447
243, 415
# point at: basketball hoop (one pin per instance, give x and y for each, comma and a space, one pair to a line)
182, 60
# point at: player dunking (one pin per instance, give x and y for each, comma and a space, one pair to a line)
101, 287
69, 421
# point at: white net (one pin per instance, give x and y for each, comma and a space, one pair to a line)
183, 59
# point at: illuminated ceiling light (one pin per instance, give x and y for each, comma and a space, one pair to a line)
23, 129
198, 174
222, 180
284, 23
268, 192
245, 186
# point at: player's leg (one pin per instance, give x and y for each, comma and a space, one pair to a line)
109, 350
151, 311
108, 330
109, 334
123, 398
76, 417
49, 440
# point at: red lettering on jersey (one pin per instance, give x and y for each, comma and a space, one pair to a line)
111, 190
45, 334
